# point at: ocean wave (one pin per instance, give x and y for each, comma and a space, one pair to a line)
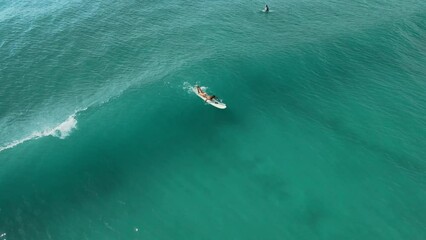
61, 131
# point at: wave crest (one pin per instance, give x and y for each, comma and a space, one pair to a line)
61, 131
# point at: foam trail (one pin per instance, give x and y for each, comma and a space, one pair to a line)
61, 131
188, 87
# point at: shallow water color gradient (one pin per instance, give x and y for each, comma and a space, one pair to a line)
323, 136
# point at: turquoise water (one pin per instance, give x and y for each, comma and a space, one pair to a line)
324, 136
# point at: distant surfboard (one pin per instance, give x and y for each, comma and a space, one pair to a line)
213, 102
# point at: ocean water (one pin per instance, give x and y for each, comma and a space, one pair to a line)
324, 136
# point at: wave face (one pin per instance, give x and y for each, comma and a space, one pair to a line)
101, 136
55, 64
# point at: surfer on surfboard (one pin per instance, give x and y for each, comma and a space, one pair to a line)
212, 100
266, 8
205, 95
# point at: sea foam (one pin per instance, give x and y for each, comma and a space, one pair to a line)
61, 131
189, 88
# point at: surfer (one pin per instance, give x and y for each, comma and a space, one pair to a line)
205, 95
266, 8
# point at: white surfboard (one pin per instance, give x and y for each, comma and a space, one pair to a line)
213, 102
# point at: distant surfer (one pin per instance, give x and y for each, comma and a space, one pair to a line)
205, 95
266, 8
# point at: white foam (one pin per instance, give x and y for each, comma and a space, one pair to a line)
188, 87
61, 131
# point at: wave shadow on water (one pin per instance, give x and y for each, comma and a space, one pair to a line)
304, 110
